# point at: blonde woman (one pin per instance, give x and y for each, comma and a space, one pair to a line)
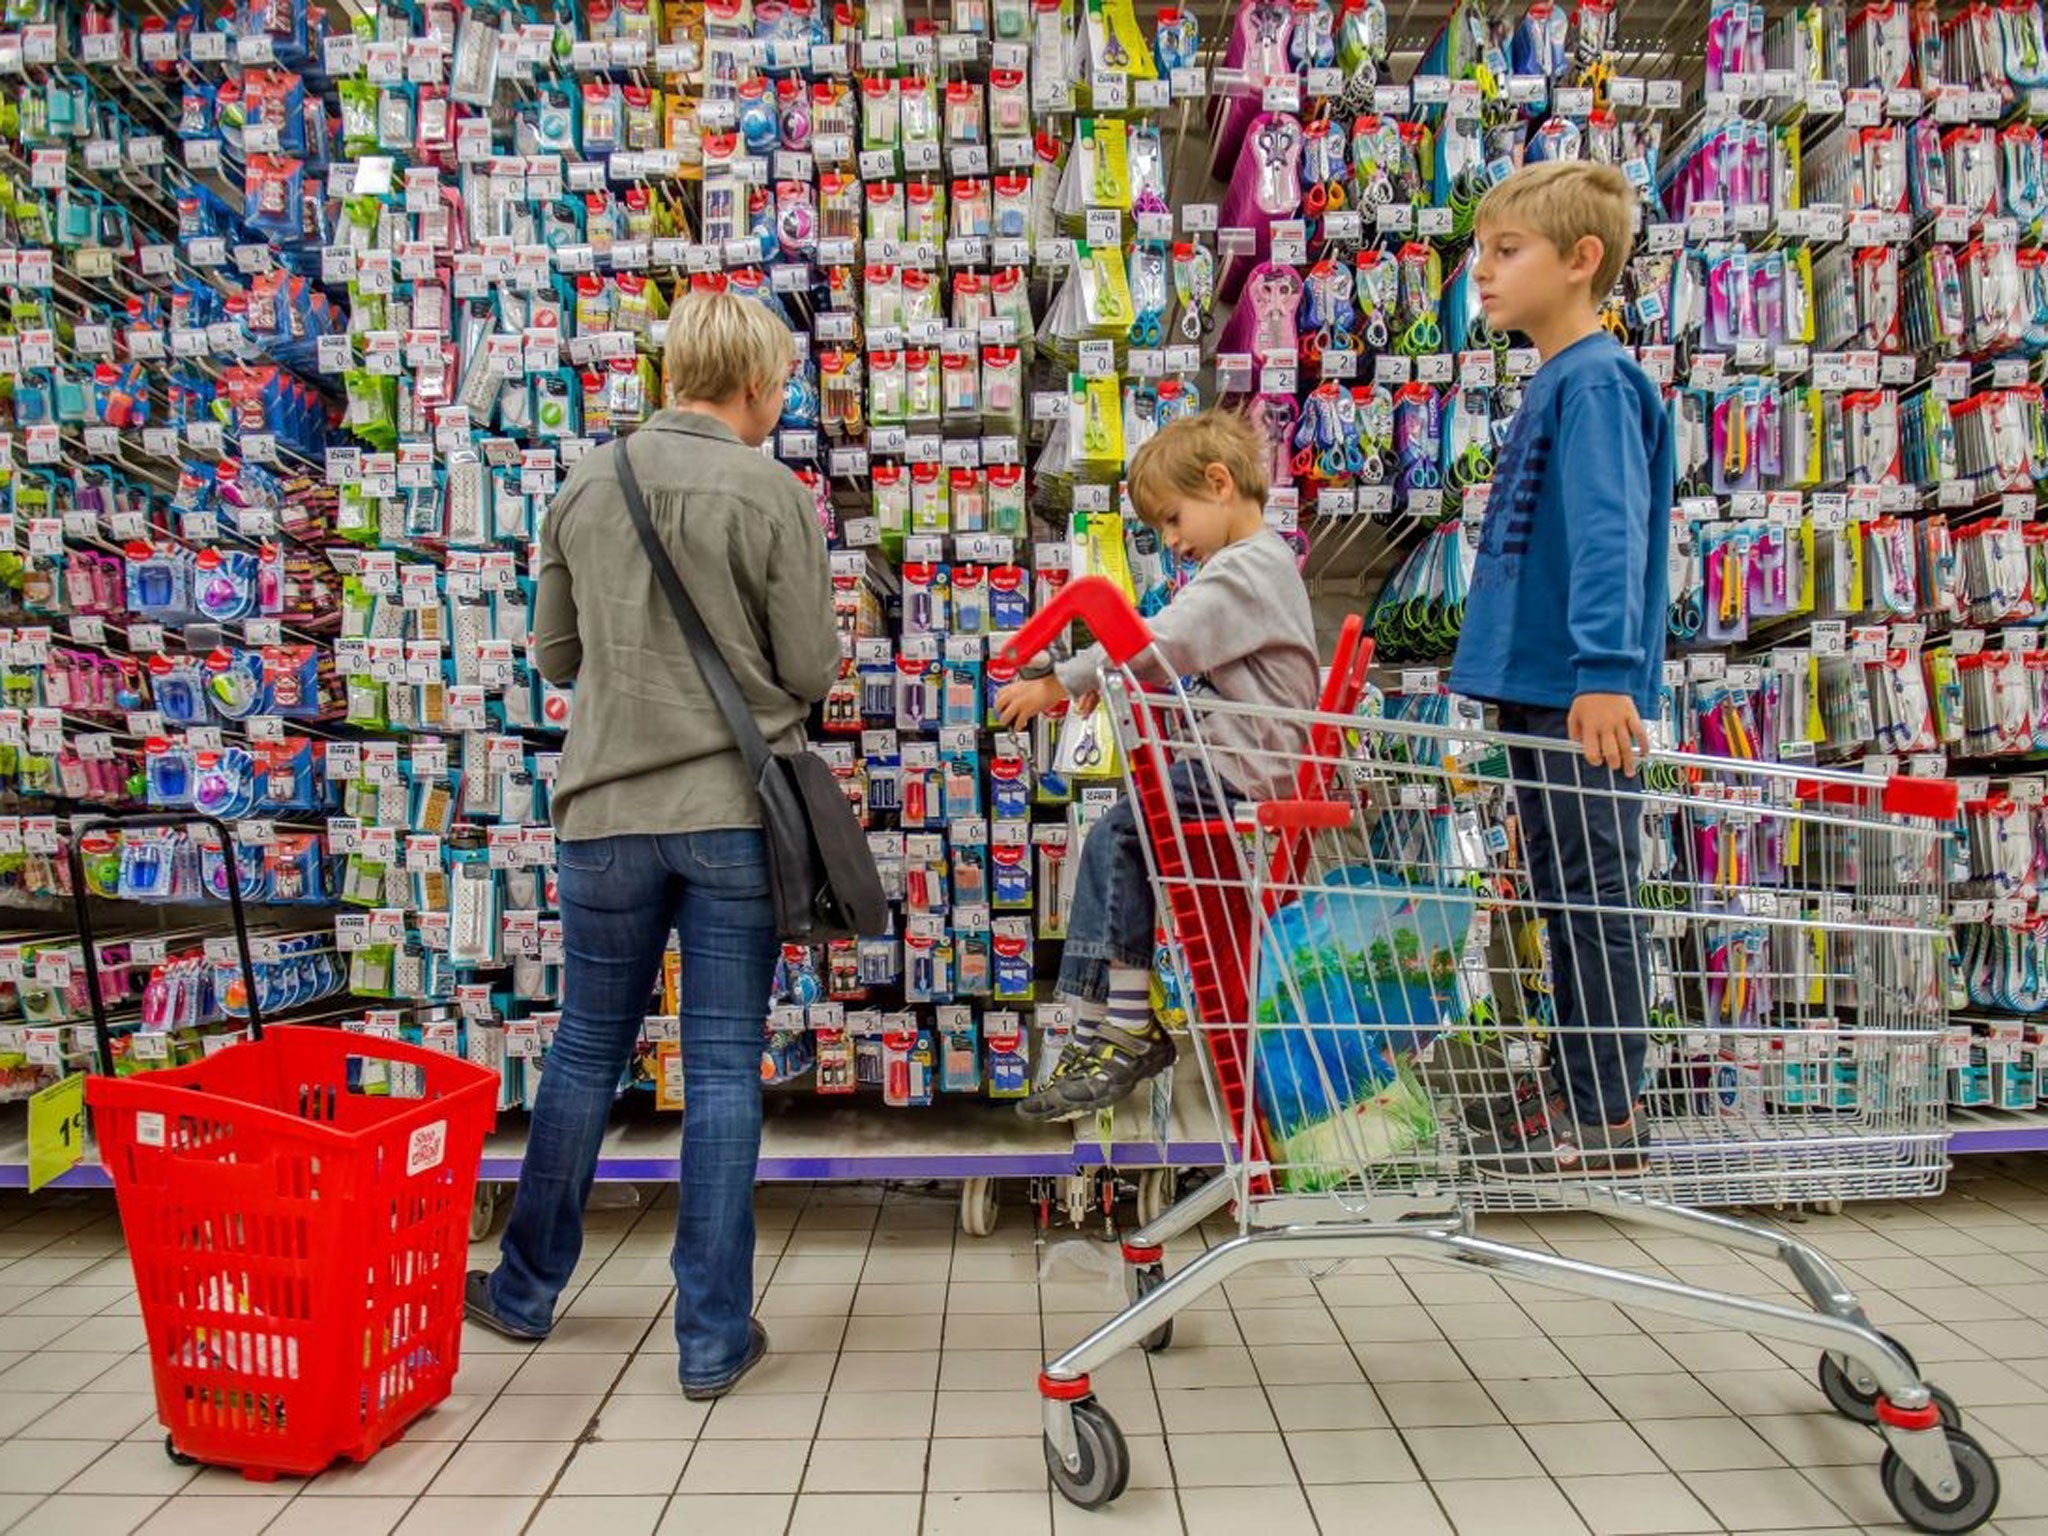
657, 820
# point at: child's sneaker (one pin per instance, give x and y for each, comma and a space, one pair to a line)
1547, 1143
1485, 1116
1094, 1074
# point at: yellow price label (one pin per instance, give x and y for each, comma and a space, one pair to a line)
56, 1130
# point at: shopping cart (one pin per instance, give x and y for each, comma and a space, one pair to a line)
1365, 952
296, 1208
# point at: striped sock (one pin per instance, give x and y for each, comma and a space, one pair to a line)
1088, 1016
1130, 1000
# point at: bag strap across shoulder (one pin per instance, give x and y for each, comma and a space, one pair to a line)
711, 662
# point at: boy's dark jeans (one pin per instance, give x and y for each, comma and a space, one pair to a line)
1114, 917
1582, 836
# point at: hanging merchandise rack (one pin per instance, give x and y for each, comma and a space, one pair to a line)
311, 311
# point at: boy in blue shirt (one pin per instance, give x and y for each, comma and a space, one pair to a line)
1564, 632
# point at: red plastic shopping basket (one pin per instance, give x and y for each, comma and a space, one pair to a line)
299, 1242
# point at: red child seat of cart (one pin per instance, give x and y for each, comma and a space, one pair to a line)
1200, 865
299, 1243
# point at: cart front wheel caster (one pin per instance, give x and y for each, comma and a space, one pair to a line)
1144, 1281
979, 1205
1858, 1401
178, 1458
1962, 1508
1105, 1460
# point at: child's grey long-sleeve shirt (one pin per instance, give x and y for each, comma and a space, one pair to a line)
1243, 628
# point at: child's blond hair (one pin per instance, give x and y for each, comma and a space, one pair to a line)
1564, 201
1177, 458
721, 346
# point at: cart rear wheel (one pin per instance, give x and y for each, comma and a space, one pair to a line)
1145, 1280
1105, 1459
1962, 1508
980, 1204
1856, 1402
1155, 1194
483, 1211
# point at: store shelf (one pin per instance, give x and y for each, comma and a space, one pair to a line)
808, 1138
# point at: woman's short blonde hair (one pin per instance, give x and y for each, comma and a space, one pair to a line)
1564, 201
721, 346
1177, 458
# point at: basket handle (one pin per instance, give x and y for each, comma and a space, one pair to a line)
81, 906
1101, 605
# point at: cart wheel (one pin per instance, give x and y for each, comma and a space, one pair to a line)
178, 1457
1155, 1194
980, 1201
483, 1211
1966, 1507
1105, 1460
1144, 1281
1850, 1400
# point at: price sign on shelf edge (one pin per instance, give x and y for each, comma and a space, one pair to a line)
56, 1131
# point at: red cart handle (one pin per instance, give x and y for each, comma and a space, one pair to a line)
1101, 605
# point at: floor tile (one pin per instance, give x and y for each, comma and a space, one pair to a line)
1637, 1504
434, 1516
28, 1466
1230, 1461
643, 1467
856, 1514
748, 1415
1590, 1450
562, 1417
1014, 1463
863, 1466
1415, 1403
1327, 1407
559, 1374
560, 1515
1351, 1456
135, 1467
768, 1466
1409, 1508
347, 1516
500, 1468
1707, 1445
87, 1514
975, 1414
206, 1515
877, 1415
987, 1514
1763, 1499
1214, 1410
1527, 1506
1233, 1511
755, 1514
650, 1417
912, 1371
1140, 1512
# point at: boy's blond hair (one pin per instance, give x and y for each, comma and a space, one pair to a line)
1177, 458
721, 346
1564, 201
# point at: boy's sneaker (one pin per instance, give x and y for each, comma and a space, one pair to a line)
1094, 1074
1547, 1143
479, 1309
1485, 1116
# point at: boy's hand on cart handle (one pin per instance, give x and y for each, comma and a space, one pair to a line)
1021, 702
1610, 731
1084, 706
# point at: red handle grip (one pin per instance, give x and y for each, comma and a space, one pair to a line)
1899, 795
1096, 601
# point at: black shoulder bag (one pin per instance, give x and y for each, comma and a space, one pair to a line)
821, 873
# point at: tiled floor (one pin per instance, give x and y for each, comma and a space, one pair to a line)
1383, 1397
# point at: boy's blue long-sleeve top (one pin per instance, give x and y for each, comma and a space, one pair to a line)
1570, 588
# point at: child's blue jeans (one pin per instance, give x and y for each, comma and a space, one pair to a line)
1582, 839
1114, 917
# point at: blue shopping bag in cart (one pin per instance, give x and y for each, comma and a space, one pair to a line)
1357, 975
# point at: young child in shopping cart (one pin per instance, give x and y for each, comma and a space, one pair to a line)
1242, 628
1564, 632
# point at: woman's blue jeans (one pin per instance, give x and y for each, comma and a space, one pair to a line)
620, 899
